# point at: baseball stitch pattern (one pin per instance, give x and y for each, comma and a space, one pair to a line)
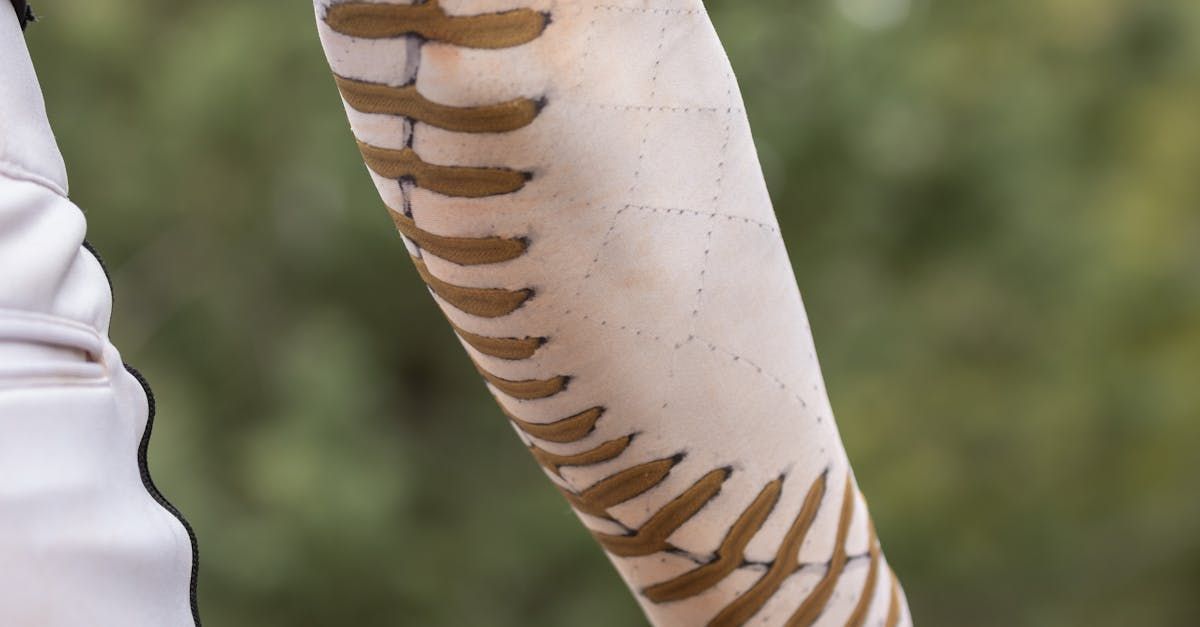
429, 22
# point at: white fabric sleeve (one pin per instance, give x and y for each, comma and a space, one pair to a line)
577, 184
85, 537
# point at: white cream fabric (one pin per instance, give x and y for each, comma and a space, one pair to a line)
660, 280
82, 541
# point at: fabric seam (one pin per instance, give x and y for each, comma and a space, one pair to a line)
19, 172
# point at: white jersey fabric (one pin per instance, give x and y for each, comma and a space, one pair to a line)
85, 538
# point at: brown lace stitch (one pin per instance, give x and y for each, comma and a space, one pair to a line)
464, 251
406, 101
428, 22
729, 555
859, 615
786, 561
464, 182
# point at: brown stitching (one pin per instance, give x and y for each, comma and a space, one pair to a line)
406, 101
429, 21
859, 615
464, 251
606, 451
457, 181
893, 616
485, 302
510, 28
652, 536
508, 348
527, 389
729, 555
622, 486
568, 429
786, 561
810, 610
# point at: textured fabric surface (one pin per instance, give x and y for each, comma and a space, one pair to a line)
84, 537
648, 342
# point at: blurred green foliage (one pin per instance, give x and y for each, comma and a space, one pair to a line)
993, 209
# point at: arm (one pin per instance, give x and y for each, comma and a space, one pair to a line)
85, 538
577, 184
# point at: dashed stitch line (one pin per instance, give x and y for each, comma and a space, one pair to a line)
587, 51
596, 500
662, 39
637, 170
757, 368
587, 274
703, 270
735, 357
622, 327
724, 154
716, 202
612, 8
604, 241
669, 210
662, 108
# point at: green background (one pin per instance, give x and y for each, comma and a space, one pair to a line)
992, 209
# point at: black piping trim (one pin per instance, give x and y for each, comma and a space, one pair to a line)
148, 482
24, 13
100, 260
143, 466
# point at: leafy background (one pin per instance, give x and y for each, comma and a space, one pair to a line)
992, 208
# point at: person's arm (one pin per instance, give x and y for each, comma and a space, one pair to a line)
85, 537
577, 184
